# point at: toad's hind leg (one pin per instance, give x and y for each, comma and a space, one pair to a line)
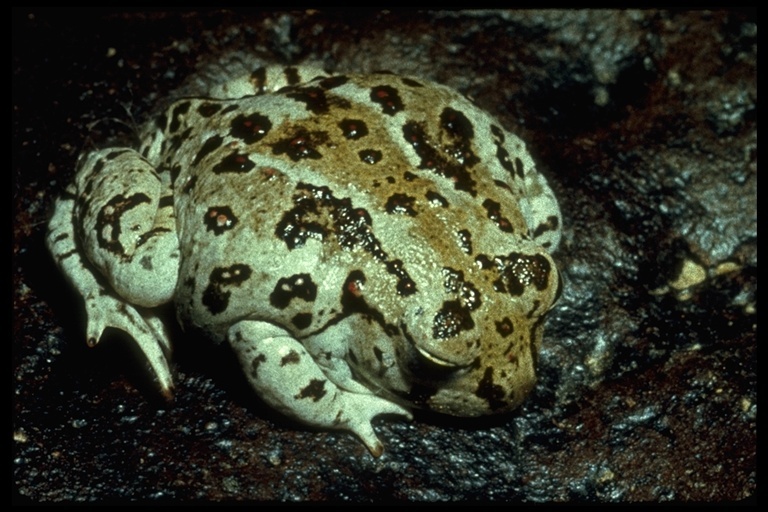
117, 244
125, 217
285, 376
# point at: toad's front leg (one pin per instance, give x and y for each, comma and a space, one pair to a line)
285, 376
113, 235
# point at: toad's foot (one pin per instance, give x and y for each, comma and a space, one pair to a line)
286, 377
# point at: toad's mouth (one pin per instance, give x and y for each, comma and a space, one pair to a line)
439, 361
446, 355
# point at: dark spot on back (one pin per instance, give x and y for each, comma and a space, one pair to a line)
484, 261
210, 145
388, 98
219, 219
405, 285
216, 295
251, 128
353, 129
370, 156
230, 108
333, 81
297, 286
451, 320
494, 214
436, 199
455, 283
550, 225
402, 204
521, 270
302, 320
436, 160
301, 145
234, 162
460, 131
312, 97
208, 109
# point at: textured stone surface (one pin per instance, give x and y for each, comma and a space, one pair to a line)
643, 121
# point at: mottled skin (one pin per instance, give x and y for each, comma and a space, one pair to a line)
365, 244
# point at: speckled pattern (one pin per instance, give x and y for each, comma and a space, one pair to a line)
352, 237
